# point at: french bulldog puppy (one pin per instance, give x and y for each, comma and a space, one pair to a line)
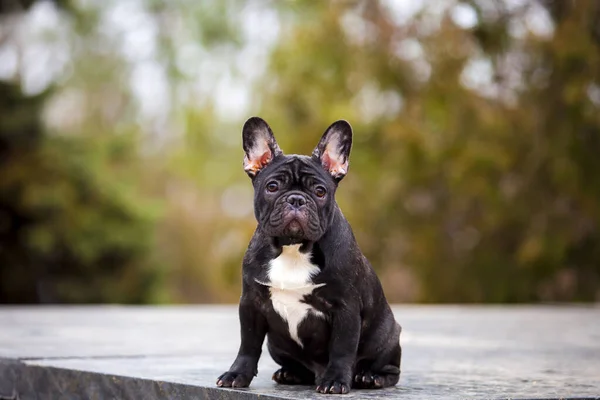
307, 286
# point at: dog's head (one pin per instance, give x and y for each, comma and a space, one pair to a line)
294, 194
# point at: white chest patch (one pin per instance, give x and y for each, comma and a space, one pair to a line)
290, 280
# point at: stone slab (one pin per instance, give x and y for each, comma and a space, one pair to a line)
177, 352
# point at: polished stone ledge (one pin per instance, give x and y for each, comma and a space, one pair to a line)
450, 352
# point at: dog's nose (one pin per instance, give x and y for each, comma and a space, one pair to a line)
296, 200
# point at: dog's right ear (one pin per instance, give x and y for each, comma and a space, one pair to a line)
259, 145
333, 149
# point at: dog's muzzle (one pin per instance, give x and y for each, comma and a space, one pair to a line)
294, 216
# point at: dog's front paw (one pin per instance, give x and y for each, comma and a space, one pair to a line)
233, 379
336, 385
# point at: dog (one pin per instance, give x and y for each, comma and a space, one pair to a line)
307, 287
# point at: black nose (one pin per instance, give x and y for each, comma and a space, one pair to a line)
296, 200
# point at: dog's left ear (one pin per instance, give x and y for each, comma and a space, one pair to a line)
333, 149
259, 145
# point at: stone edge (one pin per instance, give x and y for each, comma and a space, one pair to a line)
20, 381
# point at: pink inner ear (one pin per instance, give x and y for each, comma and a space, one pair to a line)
334, 165
252, 166
326, 161
265, 158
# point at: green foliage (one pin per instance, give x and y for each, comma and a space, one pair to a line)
75, 228
473, 176
480, 197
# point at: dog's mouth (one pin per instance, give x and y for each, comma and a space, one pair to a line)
293, 232
293, 228
293, 224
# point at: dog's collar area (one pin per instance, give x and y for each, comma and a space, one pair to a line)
305, 245
283, 287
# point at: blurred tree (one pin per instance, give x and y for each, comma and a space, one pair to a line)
476, 148
73, 226
79, 220
473, 176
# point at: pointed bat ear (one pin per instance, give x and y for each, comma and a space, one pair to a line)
333, 149
259, 145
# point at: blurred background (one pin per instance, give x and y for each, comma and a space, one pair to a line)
475, 171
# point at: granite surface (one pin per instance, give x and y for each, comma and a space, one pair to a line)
114, 352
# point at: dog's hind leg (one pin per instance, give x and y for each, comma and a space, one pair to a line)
381, 373
292, 372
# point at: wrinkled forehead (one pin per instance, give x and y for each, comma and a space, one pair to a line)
297, 169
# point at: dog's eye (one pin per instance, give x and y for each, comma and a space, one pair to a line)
320, 191
272, 186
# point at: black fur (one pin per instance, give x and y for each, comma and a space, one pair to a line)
357, 343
